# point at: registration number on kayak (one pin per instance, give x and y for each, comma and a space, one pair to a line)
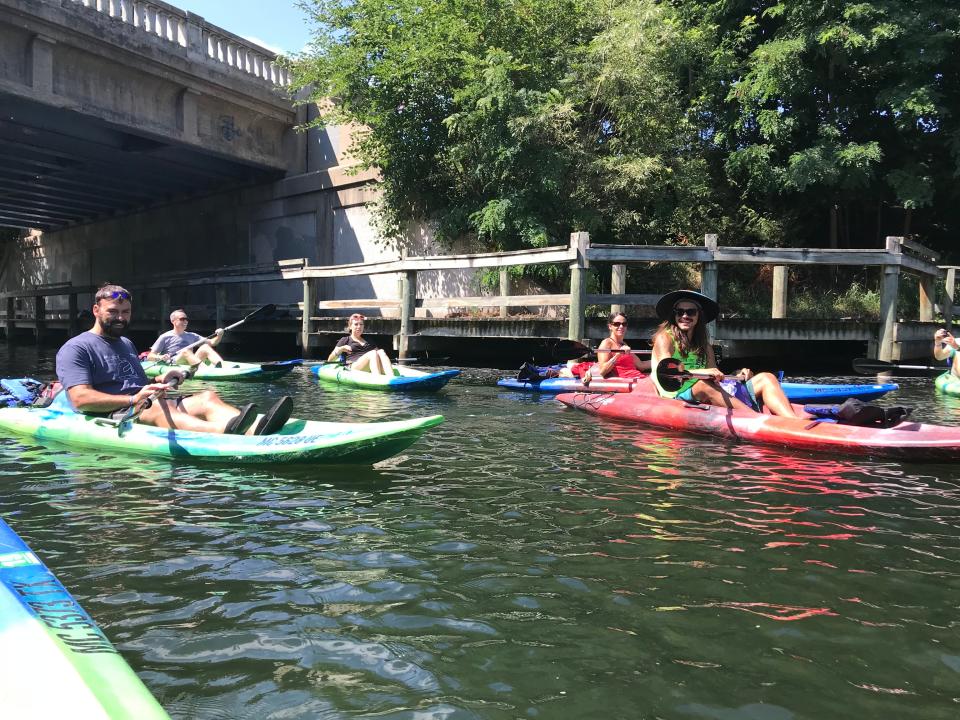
282, 440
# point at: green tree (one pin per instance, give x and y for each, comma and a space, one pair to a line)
465, 108
513, 123
836, 120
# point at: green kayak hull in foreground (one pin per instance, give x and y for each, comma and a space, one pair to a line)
54, 660
299, 441
948, 384
232, 371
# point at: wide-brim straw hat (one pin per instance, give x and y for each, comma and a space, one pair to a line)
708, 306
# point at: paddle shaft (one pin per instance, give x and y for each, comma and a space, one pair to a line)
865, 366
260, 310
571, 349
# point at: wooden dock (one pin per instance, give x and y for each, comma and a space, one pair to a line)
224, 297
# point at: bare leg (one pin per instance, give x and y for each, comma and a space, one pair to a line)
205, 352
385, 365
769, 391
362, 363
165, 413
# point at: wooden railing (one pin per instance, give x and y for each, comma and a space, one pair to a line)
898, 256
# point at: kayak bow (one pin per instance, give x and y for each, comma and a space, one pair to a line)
54, 660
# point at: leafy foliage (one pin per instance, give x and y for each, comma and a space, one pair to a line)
514, 122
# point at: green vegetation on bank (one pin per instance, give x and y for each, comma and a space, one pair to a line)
513, 123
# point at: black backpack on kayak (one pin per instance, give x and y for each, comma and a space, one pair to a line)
856, 412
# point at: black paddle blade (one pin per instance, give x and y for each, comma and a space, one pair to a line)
262, 311
569, 350
669, 374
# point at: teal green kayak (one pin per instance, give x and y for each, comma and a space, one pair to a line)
403, 378
232, 371
54, 660
948, 384
299, 441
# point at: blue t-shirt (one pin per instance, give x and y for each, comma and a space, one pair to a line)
106, 364
170, 343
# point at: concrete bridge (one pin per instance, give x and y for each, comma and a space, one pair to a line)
110, 106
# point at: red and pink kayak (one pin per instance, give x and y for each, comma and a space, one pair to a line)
908, 440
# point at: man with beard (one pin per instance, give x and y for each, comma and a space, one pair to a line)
101, 374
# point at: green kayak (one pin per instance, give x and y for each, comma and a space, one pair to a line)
948, 384
229, 370
300, 441
403, 378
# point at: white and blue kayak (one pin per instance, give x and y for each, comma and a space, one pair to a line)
232, 371
54, 660
403, 378
796, 392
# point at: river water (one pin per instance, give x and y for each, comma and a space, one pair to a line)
522, 560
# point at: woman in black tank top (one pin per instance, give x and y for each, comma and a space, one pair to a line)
358, 353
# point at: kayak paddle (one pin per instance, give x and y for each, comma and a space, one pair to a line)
267, 309
671, 377
865, 366
571, 350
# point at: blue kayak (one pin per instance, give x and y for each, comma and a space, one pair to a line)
795, 392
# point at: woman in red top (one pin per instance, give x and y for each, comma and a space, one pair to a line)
623, 364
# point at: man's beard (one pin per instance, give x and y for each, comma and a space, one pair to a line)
114, 328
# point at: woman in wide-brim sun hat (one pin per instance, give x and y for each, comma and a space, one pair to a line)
682, 337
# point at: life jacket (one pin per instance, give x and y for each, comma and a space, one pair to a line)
25, 392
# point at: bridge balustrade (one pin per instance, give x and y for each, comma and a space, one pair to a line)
198, 38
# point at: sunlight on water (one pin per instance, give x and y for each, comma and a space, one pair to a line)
521, 560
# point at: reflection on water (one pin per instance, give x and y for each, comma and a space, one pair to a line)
522, 560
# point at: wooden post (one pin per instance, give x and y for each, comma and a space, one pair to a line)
11, 318
408, 307
220, 293
580, 242
39, 317
73, 322
927, 294
709, 279
163, 321
779, 309
306, 326
947, 303
889, 291
504, 289
618, 286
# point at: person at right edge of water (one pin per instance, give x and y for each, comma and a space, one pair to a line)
945, 347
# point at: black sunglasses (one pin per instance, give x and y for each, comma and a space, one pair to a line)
185, 319
617, 323
689, 312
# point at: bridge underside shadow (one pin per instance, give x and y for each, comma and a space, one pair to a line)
60, 168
